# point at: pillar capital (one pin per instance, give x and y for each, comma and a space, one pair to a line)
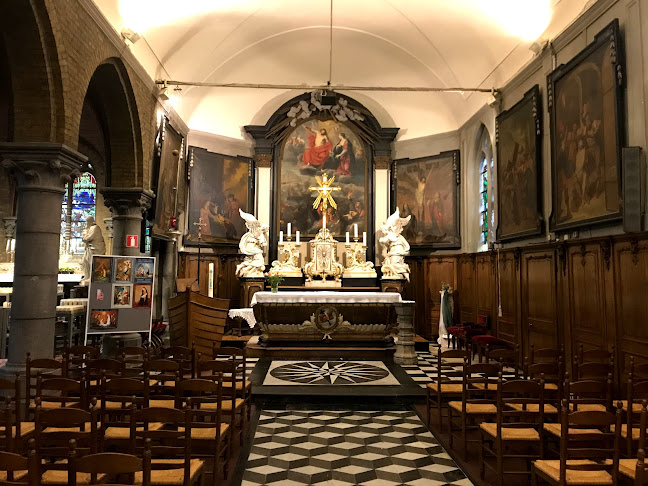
126, 201
42, 165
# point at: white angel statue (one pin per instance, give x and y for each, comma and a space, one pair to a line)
253, 245
394, 247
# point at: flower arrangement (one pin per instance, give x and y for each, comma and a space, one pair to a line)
274, 278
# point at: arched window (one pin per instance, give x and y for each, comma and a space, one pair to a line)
486, 192
79, 202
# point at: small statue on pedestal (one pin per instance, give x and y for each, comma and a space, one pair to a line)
253, 245
94, 245
394, 247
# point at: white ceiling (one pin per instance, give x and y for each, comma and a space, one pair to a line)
410, 43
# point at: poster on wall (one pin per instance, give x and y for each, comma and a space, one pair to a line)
219, 185
312, 148
427, 189
519, 168
586, 108
115, 303
170, 154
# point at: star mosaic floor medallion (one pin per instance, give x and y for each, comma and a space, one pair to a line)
329, 373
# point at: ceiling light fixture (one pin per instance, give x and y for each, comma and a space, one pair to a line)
163, 91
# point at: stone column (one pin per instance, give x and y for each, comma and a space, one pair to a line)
127, 206
41, 171
10, 235
405, 353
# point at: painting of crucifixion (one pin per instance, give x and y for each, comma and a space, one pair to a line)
315, 148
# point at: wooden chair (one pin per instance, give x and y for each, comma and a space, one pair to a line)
133, 359
170, 446
637, 397
641, 469
163, 377
118, 397
14, 430
635, 469
184, 356
18, 470
209, 434
231, 405
507, 357
101, 369
102, 466
553, 375
585, 458
54, 429
243, 385
444, 388
518, 425
638, 370
594, 355
61, 392
44, 366
544, 355
479, 389
77, 358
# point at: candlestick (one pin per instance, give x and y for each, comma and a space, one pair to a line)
289, 230
347, 237
297, 236
281, 237
364, 238
355, 230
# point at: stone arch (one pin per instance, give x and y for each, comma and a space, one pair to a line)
109, 125
32, 59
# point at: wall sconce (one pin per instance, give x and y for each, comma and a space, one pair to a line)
130, 36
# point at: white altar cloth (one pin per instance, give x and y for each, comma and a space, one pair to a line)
325, 297
247, 314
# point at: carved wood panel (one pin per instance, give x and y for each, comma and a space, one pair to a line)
538, 297
485, 285
226, 284
417, 291
508, 325
439, 270
466, 297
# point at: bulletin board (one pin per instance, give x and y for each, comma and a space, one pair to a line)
120, 295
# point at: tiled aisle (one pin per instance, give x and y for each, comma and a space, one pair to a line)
345, 448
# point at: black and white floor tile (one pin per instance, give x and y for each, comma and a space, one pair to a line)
345, 448
329, 373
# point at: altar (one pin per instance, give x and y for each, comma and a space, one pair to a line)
326, 318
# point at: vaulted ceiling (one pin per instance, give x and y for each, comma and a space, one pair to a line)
402, 43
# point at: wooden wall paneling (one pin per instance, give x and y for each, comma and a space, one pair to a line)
466, 298
583, 299
440, 270
508, 325
417, 291
485, 286
631, 297
538, 299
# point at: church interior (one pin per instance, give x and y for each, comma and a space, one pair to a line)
335, 243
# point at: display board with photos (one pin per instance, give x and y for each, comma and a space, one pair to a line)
120, 295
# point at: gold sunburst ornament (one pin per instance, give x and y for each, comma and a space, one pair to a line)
324, 197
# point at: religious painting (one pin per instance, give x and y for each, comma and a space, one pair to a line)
103, 319
142, 295
219, 185
101, 269
585, 102
143, 270
170, 152
122, 296
427, 189
123, 270
314, 148
518, 133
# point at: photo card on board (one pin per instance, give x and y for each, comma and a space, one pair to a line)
123, 271
122, 295
143, 272
142, 294
103, 320
101, 269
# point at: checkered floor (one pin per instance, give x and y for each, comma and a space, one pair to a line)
426, 370
345, 448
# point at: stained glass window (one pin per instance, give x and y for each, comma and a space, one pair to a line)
79, 203
485, 188
483, 202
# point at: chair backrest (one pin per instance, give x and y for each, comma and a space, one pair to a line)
111, 463
588, 392
593, 370
442, 360
11, 412
480, 383
61, 392
520, 404
65, 424
638, 370
577, 441
594, 355
96, 369
544, 354
44, 366
134, 359
184, 356
204, 398
118, 395
11, 463
641, 469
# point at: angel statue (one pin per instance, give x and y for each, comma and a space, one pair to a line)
394, 247
253, 245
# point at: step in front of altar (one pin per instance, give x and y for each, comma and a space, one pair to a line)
314, 351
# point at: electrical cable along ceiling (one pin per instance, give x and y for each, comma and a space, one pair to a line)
284, 47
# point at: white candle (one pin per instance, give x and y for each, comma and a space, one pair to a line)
364, 238
289, 230
8, 245
281, 237
13, 245
355, 230
347, 237
297, 236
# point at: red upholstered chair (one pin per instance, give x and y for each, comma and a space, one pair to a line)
458, 332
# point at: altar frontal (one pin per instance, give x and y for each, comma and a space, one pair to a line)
326, 318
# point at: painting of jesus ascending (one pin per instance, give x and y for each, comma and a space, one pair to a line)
311, 149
